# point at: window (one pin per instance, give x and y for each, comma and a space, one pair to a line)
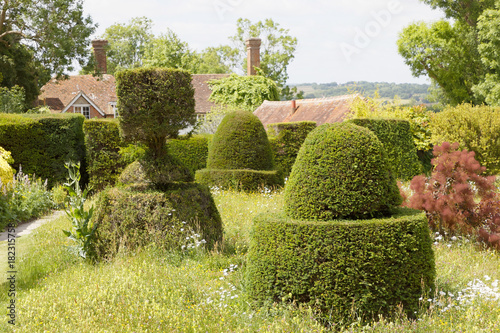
83, 109
114, 108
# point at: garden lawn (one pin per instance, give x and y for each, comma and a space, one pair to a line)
154, 291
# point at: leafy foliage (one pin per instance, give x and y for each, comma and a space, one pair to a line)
449, 195
396, 137
190, 151
475, 128
129, 219
83, 232
277, 50
341, 171
12, 100
341, 267
102, 144
240, 143
127, 43
6, 171
286, 140
240, 179
42, 143
40, 38
244, 92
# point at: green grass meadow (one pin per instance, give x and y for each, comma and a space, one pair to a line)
195, 291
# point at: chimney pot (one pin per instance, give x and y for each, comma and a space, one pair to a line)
294, 106
253, 55
99, 46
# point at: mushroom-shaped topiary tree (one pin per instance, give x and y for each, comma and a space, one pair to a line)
157, 204
154, 104
342, 246
240, 155
341, 172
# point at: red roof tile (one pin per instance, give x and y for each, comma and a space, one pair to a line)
320, 110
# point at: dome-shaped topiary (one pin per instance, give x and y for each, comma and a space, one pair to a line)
240, 142
341, 171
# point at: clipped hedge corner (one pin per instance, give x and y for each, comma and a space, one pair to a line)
286, 140
128, 219
342, 267
396, 136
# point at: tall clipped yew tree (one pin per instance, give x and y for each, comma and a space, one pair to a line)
154, 104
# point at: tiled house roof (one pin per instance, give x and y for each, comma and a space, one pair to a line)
202, 91
58, 94
320, 110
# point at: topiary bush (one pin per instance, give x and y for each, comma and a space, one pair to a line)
341, 171
343, 268
286, 140
154, 105
396, 136
346, 269
128, 219
191, 151
240, 143
103, 143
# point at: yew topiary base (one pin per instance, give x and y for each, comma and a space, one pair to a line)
129, 218
246, 180
343, 268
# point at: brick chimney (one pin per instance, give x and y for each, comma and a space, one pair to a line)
253, 55
99, 46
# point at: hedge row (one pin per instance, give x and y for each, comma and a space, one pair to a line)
286, 140
102, 142
128, 219
192, 152
396, 136
343, 268
41, 144
246, 180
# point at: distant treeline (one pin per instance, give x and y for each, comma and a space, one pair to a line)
418, 92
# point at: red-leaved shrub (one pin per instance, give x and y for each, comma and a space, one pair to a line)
457, 198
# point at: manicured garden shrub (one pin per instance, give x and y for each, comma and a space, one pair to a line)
191, 152
450, 195
154, 104
475, 128
102, 143
395, 135
343, 268
133, 175
341, 171
42, 143
286, 140
128, 219
240, 143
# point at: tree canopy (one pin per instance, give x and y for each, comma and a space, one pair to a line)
458, 53
40, 38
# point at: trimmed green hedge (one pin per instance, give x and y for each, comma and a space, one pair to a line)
286, 140
246, 180
341, 266
396, 136
341, 171
192, 152
42, 143
128, 219
240, 142
103, 143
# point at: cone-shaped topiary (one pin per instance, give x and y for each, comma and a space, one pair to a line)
240, 142
240, 155
341, 171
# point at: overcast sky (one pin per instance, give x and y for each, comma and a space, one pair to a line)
338, 40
